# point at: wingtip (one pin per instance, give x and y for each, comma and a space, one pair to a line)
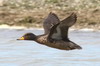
79, 47
51, 13
73, 14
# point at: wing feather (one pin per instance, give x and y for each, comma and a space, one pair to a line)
50, 21
60, 30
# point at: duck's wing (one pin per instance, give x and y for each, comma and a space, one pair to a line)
50, 21
60, 30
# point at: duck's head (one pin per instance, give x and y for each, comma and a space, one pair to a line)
28, 36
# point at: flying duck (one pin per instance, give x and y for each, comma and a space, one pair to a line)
55, 33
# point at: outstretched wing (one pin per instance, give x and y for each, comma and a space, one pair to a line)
50, 21
60, 30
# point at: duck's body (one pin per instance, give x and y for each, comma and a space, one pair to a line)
44, 40
59, 44
56, 33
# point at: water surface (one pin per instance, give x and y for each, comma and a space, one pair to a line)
30, 53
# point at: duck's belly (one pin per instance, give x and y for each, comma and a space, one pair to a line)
59, 44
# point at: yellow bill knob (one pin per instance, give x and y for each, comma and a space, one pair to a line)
22, 38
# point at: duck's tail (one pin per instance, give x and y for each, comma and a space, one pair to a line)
74, 46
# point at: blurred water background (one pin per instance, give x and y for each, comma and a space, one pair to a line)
30, 53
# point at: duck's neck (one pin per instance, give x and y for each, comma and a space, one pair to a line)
41, 39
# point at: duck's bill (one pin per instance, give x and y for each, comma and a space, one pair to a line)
22, 38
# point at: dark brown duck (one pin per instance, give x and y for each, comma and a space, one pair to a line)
56, 33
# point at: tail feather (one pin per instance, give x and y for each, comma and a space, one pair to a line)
74, 46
